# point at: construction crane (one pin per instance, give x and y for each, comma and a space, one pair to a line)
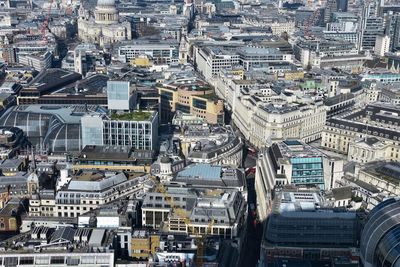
181, 215
45, 23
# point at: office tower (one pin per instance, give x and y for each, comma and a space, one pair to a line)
331, 6
371, 26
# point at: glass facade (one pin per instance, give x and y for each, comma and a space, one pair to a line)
45, 131
128, 133
183, 108
92, 131
304, 228
200, 104
118, 95
308, 171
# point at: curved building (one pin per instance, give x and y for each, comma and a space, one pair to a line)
48, 127
380, 239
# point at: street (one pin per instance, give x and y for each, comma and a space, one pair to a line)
251, 251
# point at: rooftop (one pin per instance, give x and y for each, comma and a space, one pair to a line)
133, 116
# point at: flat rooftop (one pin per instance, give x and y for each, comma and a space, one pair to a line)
133, 116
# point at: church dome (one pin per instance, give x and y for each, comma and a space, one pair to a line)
106, 3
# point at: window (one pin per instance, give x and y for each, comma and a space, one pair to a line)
57, 260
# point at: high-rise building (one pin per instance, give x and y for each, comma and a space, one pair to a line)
118, 95
331, 6
371, 26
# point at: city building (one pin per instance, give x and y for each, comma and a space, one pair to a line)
204, 143
49, 127
136, 129
89, 190
377, 120
190, 95
56, 248
39, 61
382, 45
371, 26
382, 175
160, 53
260, 122
216, 213
212, 177
106, 27
293, 163
302, 226
210, 60
113, 158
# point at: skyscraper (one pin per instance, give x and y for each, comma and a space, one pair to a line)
371, 26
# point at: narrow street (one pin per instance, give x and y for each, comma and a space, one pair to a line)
251, 251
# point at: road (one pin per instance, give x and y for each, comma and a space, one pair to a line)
251, 251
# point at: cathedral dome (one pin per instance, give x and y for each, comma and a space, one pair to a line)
106, 3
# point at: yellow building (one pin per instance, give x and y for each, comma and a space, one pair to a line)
143, 244
197, 99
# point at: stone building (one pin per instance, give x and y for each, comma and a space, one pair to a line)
105, 28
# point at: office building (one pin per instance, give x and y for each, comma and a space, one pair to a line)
115, 158
260, 122
209, 176
210, 60
190, 95
293, 162
342, 5
137, 129
39, 61
160, 53
49, 127
89, 190
382, 175
303, 226
330, 7
371, 26
226, 210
